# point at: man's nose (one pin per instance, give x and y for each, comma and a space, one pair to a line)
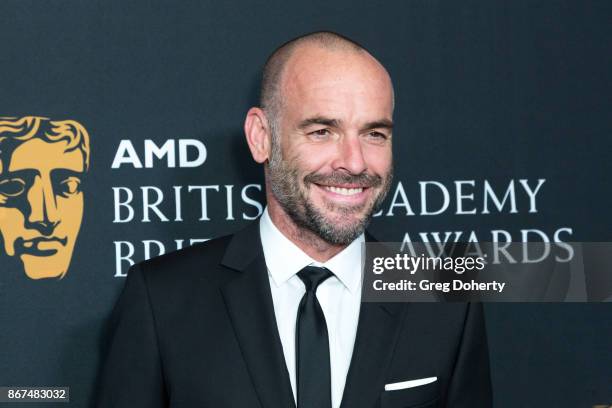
43, 214
350, 155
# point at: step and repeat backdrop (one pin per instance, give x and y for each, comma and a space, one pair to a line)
121, 139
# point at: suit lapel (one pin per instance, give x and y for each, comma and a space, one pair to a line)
377, 332
249, 303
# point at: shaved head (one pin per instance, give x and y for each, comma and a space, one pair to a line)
271, 93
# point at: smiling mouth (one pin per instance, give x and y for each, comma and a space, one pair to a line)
354, 194
345, 191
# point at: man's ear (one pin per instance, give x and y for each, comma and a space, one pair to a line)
257, 131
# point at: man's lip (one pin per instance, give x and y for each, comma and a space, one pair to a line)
343, 185
354, 198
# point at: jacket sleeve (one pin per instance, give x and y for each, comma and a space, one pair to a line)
470, 384
132, 372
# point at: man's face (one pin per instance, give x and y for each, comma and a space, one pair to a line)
331, 163
41, 206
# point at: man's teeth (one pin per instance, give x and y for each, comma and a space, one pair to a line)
344, 191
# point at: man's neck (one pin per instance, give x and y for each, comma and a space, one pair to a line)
309, 242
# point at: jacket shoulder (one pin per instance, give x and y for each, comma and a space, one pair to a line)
186, 264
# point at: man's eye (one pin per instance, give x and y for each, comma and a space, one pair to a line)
12, 187
70, 186
377, 135
320, 132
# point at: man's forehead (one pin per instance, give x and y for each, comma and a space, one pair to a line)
319, 75
313, 61
38, 154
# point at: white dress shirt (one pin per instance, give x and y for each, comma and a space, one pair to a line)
339, 296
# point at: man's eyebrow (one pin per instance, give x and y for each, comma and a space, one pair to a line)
378, 124
319, 120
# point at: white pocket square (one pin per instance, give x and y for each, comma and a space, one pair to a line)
409, 384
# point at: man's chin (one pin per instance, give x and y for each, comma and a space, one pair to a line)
340, 228
344, 215
340, 236
347, 222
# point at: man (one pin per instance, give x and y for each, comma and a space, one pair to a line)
271, 317
42, 162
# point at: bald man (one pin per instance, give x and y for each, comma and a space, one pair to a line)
272, 317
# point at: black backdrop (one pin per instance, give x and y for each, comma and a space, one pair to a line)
488, 91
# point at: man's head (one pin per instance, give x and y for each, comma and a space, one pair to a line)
41, 204
324, 132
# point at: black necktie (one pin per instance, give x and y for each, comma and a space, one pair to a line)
312, 344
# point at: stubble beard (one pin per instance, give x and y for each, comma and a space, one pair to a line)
341, 229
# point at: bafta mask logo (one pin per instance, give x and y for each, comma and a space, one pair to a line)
42, 162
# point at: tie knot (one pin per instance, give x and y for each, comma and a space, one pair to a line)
313, 276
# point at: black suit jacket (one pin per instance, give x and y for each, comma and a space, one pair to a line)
196, 328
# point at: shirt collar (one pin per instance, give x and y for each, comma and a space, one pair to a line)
285, 259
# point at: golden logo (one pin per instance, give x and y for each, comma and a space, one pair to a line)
42, 162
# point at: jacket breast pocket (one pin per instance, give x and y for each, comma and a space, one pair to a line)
423, 396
